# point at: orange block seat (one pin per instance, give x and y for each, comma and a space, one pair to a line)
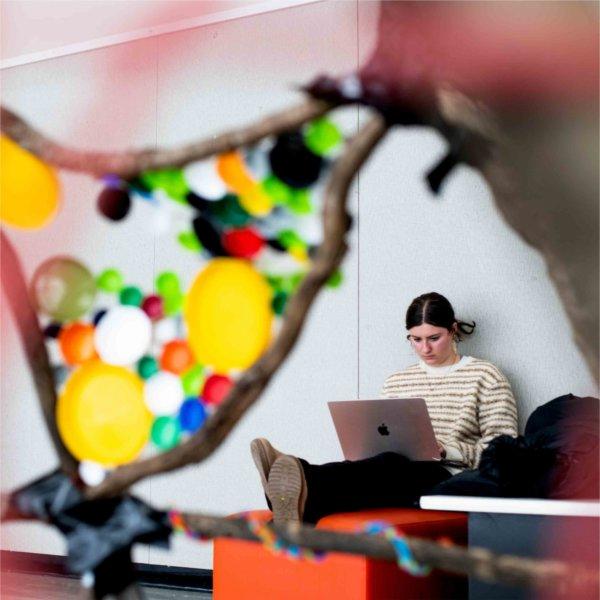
245, 570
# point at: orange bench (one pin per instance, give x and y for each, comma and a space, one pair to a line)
245, 570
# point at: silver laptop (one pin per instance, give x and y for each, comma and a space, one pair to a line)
368, 427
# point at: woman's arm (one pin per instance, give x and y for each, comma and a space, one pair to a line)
497, 415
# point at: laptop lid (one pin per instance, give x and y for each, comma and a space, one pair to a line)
368, 427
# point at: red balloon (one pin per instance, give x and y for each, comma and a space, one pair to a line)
243, 243
153, 307
216, 387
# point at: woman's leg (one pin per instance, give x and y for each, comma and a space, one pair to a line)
383, 481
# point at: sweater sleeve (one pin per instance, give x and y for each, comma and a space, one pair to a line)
497, 415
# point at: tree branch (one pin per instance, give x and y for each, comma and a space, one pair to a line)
479, 563
256, 378
32, 339
130, 163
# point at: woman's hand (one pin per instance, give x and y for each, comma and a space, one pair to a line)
442, 450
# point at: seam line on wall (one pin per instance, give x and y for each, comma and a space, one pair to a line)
146, 32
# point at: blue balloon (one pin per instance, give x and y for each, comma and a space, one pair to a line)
192, 415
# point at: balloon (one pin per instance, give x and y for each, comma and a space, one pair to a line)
98, 316
228, 314
293, 162
114, 203
256, 201
322, 136
176, 357
165, 330
300, 202
63, 289
216, 387
76, 342
101, 415
192, 380
170, 181
167, 284
110, 280
208, 236
29, 188
163, 393
230, 212
243, 243
173, 304
131, 296
91, 473
153, 307
279, 301
166, 432
123, 335
279, 192
336, 279
234, 173
189, 241
147, 366
204, 180
52, 330
191, 415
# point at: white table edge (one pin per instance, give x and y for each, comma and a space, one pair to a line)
520, 506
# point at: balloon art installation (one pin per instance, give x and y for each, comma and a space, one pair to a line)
135, 382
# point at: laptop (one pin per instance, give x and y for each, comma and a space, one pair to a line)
368, 427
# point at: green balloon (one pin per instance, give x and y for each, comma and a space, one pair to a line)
300, 202
167, 284
279, 301
147, 366
288, 238
192, 380
165, 433
170, 181
229, 211
322, 136
278, 191
63, 289
110, 280
335, 280
189, 241
131, 296
173, 305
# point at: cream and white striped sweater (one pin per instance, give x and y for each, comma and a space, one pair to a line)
468, 406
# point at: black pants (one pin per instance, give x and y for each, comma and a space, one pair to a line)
387, 480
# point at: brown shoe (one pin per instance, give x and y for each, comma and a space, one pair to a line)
287, 489
264, 455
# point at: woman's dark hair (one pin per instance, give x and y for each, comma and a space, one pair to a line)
434, 309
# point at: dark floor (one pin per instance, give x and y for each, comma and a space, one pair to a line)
21, 586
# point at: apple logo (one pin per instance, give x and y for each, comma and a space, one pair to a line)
383, 430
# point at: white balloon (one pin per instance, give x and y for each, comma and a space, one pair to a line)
163, 393
123, 335
204, 180
165, 330
91, 473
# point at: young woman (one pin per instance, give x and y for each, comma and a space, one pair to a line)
469, 401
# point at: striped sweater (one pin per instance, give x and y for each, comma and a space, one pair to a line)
469, 405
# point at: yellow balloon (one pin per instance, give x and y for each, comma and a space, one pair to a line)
256, 201
29, 189
228, 315
101, 414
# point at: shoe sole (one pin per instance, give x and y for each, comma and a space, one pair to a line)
263, 455
284, 489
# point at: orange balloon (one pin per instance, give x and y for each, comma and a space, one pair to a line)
76, 342
176, 357
233, 172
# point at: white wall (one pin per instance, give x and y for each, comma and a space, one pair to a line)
192, 84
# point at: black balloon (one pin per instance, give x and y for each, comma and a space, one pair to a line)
293, 163
98, 316
114, 203
198, 202
52, 330
208, 236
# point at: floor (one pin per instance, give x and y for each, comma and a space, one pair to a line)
20, 586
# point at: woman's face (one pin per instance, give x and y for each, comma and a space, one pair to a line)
432, 344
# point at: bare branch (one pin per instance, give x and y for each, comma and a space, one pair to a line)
479, 563
130, 163
32, 339
255, 379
